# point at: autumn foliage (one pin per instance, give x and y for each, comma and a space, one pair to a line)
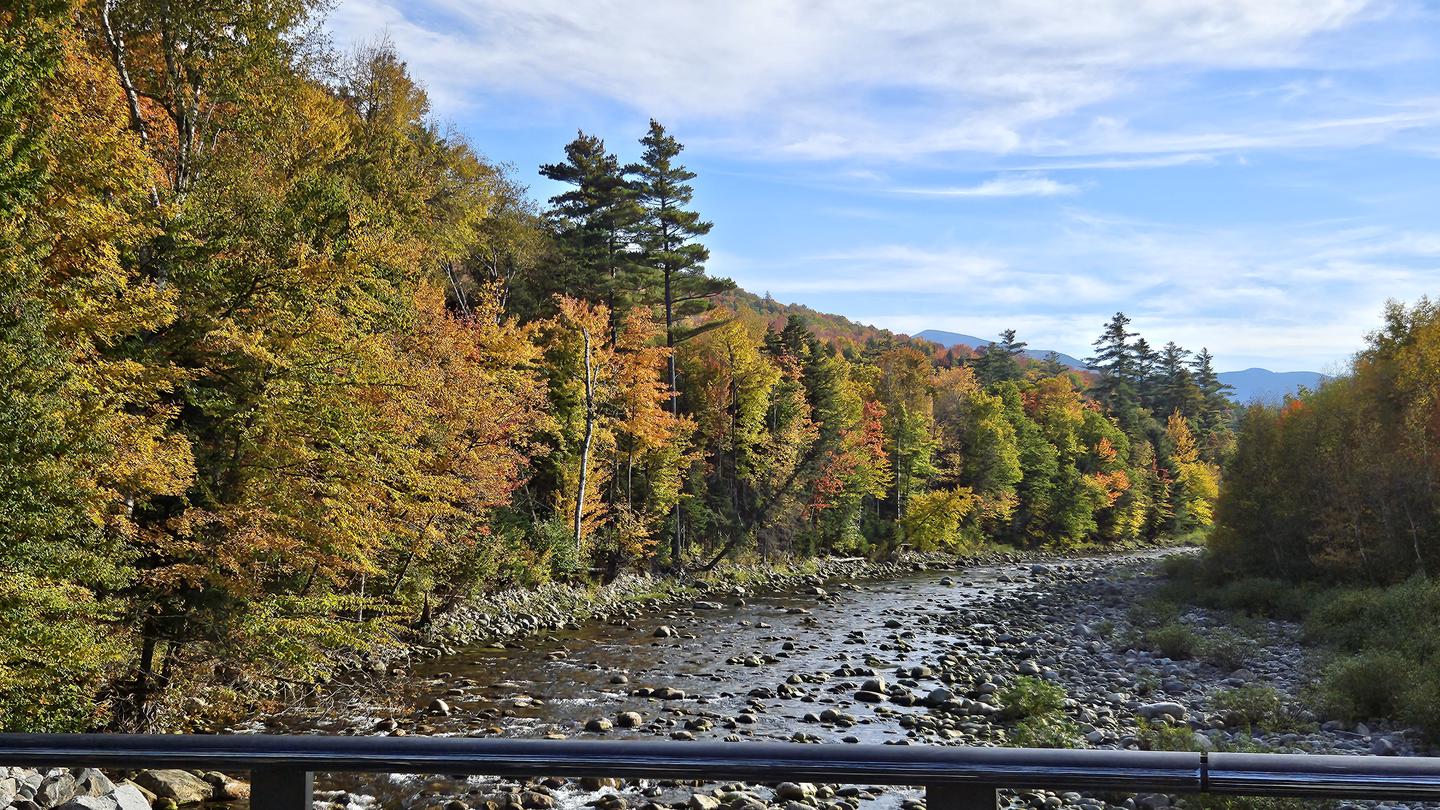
289, 368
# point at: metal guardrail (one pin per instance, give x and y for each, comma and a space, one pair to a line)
282, 767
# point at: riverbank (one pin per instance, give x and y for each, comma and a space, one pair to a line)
1006, 654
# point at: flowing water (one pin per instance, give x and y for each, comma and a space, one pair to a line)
554, 685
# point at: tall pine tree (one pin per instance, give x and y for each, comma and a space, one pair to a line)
595, 225
668, 231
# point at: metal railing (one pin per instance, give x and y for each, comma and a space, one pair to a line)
282, 767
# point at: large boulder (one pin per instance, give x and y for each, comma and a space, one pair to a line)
180, 786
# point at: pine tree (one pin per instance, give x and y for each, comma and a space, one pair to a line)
1215, 402
999, 361
1176, 386
667, 234
1146, 385
595, 224
1116, 361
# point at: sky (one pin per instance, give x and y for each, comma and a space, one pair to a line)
1253, 176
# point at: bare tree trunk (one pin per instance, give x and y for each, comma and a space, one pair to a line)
585, 445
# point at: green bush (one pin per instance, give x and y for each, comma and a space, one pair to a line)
1046, 731
1173, 640
1026, 697
1255, 706
1364, 686
1227, 649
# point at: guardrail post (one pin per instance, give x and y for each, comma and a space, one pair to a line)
281, 788
959, 797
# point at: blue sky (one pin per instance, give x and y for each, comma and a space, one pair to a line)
1254, 176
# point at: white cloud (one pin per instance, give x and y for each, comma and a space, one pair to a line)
1287, 298
1026, 184
837, 79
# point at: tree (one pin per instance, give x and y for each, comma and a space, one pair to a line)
1117, 365
999, 361
667, 235
596, 225
1176, 389
1214, 405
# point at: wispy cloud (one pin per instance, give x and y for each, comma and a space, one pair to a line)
1152, 162
1026, 184
789, 78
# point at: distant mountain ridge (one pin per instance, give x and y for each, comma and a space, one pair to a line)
1250, 385
1264, 385
951, 339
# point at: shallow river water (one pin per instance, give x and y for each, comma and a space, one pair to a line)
824, 644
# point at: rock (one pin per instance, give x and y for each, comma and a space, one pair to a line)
866, 696
876, 684
181, 787
702, 802
1154, 711
664, 631
535, 800
1028, 668
794, 791
939, 696
128, 797
88, 803
1383, 747
438, 706
708, 606
57, 789
619, 679
629, 720
1152, 801
90, 782
599, 724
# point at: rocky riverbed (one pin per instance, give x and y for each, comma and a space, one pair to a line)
919, 657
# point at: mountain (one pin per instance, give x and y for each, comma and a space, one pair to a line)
949, 339
1266, 385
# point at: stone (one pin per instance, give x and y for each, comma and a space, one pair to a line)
128, 797
181, 787
88, 803
794, 791
1154, 711
56, 789
664, 631
438, 706
599, 724
700, 801
90, 782
629, 719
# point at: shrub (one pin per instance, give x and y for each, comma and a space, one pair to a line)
1227, 649
1027, 697
1046, 731
1364, 686
1173, 640
1254, 706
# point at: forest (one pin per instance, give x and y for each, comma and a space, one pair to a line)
289, 366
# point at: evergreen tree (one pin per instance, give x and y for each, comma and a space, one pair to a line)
667, 232
1176, 389
1116, 361
1215, 405
1051, 365
999, 361
595, 225
1146, 385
